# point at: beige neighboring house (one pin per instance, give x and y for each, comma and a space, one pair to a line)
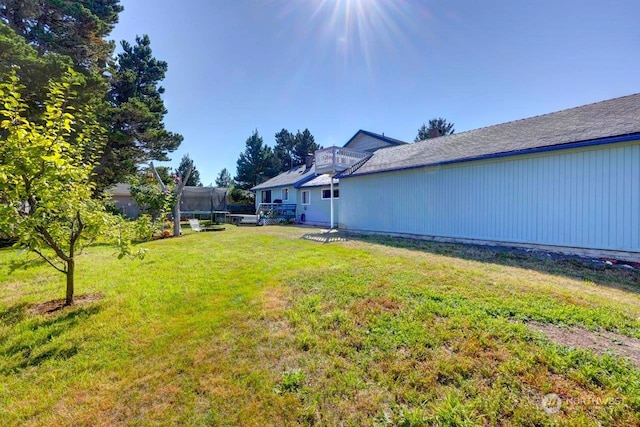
123, 201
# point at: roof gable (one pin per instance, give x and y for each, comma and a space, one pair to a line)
368, 141
562, 129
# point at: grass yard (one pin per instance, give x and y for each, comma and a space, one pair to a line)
281, 326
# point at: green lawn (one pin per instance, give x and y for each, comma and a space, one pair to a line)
277, 326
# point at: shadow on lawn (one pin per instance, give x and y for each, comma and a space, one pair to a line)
326, 237
573, 267
41, 339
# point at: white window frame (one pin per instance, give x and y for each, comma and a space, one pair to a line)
282, 196
308, 197
329, 190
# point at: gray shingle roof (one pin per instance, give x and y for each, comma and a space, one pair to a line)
615, 117
320, 181
294, 176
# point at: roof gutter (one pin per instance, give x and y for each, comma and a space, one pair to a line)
549, 148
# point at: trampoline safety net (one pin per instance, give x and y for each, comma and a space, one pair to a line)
203, 200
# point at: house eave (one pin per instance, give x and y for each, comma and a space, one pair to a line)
549, 148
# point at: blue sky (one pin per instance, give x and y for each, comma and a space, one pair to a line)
336, 66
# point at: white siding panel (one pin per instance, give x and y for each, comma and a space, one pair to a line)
587, 198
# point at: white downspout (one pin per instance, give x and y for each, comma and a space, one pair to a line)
333, 172
331, 226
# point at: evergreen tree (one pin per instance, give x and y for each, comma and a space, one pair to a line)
256, 164
224, 179
76, 29
194, 177
137, 130
305, 144
283, 150
437, 127
35, 70
56, 34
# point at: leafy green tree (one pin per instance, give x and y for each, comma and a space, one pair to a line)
304, 144
256, 164
178, 188
437, 127
45, 176
237, 195
35, 70
151, 198
224, 179
194, 177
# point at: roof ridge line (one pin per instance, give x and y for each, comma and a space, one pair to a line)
533, 117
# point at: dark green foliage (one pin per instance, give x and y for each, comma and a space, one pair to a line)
291, 150
137, 132
151, 199
437, 127
224, 179
239, 196
46, 37
305, 144
164, 172
283, 150
35, 71
194, 178
256, 164
73, 28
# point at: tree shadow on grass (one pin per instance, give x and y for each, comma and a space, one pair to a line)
34, 340
574, 267
13, 315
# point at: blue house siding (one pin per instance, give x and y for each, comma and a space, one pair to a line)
318, 212
581, 198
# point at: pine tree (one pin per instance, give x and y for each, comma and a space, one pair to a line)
283, 150
137, 129
76, 29
183, 167
224, 179
437, 127
256, 164
305, 144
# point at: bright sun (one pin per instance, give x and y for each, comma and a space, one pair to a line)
359, 26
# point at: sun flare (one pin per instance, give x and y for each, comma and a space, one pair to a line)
354, 31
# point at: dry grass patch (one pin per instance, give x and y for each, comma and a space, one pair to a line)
601, 342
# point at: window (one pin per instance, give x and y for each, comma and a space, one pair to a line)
285, 194
306, 197
266, 196
326, 193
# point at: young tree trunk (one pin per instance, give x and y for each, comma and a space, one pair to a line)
71, 266
176, 216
